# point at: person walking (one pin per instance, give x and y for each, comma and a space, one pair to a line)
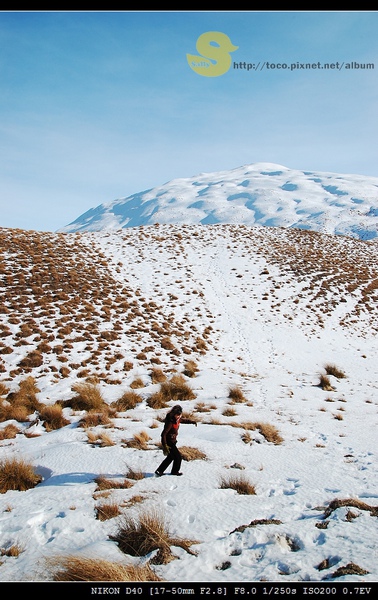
169, 441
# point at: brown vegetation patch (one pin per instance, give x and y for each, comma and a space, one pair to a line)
79, 568
17, 474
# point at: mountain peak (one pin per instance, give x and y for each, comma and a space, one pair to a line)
262, 193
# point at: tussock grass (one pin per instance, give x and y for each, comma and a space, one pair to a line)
26, 396
17, 474
103, 483
127, 401
100, 439
93, 419
53, 418
236, 394
4, 390
137, 383
335, 371
158, 400
13, 551
238, 483
134, 474
189, 453
157, 376
139, 441
190, 368
270, 432
149, 532
79, 568
9, 432
88, 397
176, 389
107, 511
229, 412
325, 383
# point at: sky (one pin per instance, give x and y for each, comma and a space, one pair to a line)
96, 106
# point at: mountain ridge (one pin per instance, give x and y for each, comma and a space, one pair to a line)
264, 194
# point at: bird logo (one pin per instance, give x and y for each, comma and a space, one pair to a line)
214, 48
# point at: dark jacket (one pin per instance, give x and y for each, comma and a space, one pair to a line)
171, 427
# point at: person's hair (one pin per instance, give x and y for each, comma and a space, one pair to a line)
176, 410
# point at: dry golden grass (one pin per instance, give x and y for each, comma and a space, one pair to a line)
335, 371
238, 483
107, 511
270, 432
236, 394
190, 368
100, 439
52, 417
103, 483
14, 550
79, 568
4, 390
325, 383
189, 453
149, 532
88, 397
229, 412
94, 418
137, 383
157, 376
17, 474
140, 441
127, 401
176, 389
157, 400
134, 474
9, 432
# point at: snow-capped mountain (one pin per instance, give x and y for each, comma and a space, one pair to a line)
259, 194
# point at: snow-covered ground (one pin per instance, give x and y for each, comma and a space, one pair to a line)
273, 307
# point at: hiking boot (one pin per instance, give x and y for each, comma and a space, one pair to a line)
158, 473
178, 474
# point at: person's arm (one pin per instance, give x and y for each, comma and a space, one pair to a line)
167, 428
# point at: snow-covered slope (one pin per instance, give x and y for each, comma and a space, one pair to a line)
258, 194
266, 310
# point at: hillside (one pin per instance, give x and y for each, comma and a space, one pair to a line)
265, 310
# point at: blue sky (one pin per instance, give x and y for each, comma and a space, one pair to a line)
96, 106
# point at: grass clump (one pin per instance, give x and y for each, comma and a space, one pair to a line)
9, 432
325, 383
79, 568
88, 397
139, 441
127, 401
238, 483
236, 394
103, 484
107, 511
17, 474
53, 418
149, 532
334, 371
189, 454
176, 389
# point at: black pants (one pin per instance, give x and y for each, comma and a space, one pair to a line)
173, 456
